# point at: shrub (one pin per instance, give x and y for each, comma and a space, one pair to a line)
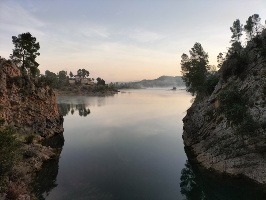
9, 151
233, 105
235, 64
211, 82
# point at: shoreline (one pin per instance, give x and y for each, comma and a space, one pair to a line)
87, 93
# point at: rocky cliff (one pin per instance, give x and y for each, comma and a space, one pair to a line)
29, 112
225, 132
27, 103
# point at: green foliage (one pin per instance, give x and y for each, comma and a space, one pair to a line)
233, 105
210, 83
100, 81
62, 75
236, 61
71, 74
25, 52
253, 26
220, 59
62, 78
83, 73
9, 151
194, 69
236, 29
51, 79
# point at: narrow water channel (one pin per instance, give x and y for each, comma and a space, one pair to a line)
128, 146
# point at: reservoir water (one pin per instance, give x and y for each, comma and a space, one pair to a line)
123, 147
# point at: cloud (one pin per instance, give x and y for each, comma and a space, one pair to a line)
95, 31
145, 36
16, 19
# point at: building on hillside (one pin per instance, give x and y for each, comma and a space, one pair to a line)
80, 79
72, 81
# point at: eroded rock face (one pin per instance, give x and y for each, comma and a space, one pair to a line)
27, 104
213, 143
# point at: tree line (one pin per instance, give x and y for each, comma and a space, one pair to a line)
24, 56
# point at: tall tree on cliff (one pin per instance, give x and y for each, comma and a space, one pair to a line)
25, 52
253, 26
195, 69
236, 29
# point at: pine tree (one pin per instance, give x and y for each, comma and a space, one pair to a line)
25, 52
195, 69
236, 29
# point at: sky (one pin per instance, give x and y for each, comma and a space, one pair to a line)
122, 40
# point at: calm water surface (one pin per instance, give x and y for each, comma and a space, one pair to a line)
124, 147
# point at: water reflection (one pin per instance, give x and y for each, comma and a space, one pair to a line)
65, 108
189, 186
129, 147
199, 184
46, 178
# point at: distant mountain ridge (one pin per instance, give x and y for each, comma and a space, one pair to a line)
162, 81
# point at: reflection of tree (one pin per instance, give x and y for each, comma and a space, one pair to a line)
83, 111
189, 186
65, 108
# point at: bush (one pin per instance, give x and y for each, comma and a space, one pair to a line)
233, 105
9, 151
211, 82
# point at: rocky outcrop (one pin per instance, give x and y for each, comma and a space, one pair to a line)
26, 103
29, 105
214, 142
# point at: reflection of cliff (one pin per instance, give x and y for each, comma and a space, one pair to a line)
189, 186
46, 178
196, 183
65, 108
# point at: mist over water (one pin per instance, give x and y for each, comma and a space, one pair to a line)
128, 146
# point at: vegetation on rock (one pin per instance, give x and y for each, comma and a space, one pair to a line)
224, 130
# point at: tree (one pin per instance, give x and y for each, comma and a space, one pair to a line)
83, 73
62, 77
195, 69
253, 26
100, 81
51, 79
220, 59
25, 52
236, 29
71, 74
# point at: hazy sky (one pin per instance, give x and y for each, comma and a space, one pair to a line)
122, 40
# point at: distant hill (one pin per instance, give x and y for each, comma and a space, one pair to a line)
162, 81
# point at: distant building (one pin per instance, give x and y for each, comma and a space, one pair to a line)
72, 81
80, 79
